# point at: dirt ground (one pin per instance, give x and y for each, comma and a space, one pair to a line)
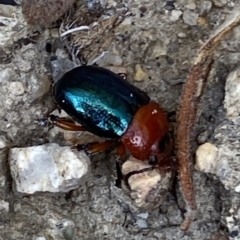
155, 44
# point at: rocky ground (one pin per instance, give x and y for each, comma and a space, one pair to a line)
155, 46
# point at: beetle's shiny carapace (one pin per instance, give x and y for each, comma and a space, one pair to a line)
110, 107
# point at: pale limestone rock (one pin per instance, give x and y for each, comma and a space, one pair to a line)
190, 18
47, 168
148, 188
175, 15
206, 157
156, 49
16, 88
4, 206
140, 74
219, 3
182, 35
205, 7
191, 6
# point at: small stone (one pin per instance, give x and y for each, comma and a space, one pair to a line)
4, 206
219, 3
231, 4
6, 74
29, 53
237, 188
3, 142
202, 137
141, 223
149, 188
47, 168
155, 49
182, 35
206, 6
191, 6
175, 15
54, 33
190, 18
206, 157
140, 75
109, 58
232, 93
16, 88
201, 21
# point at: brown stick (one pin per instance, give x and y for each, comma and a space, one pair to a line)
187, 114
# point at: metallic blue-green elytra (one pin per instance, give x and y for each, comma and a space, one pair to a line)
98, 99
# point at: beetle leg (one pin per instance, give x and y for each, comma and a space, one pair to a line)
120, 154
119, 175
64, 123
95, 147
121, 151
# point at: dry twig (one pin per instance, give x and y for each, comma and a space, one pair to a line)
188, 110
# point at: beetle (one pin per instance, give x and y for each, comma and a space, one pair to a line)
108, 106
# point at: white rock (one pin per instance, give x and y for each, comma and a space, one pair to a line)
47, 168
141, 223
182, 35
190, 18
16, 88
237, 188
4, 206
148, 189
191, 6
3, 142
6, 74
219, 3
156, 49
206, 157
205, 7
232, 94
175, 15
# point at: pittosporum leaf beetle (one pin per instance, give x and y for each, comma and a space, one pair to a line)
106, 105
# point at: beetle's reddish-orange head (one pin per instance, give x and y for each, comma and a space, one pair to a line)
147, 137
